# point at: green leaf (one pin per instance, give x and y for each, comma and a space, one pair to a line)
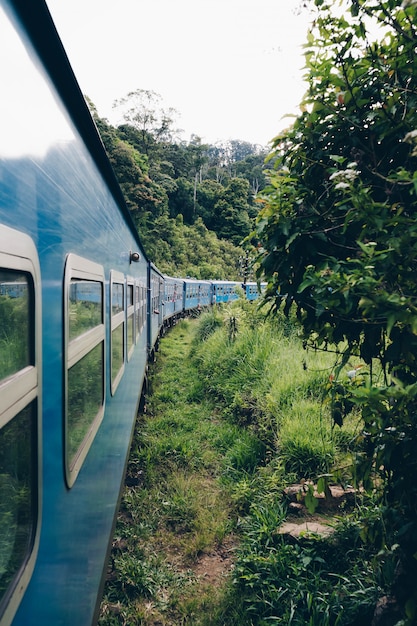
310, 500
390, 323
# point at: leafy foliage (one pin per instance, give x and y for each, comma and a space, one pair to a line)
339, 234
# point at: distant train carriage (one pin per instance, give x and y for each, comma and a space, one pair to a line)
225, 291
196, 294
173, 299
155, 306
253, 291
13, 289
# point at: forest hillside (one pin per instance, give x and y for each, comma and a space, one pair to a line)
192, 203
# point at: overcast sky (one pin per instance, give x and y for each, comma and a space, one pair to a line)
232, 68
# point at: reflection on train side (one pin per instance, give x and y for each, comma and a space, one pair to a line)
85, 306
14, 316
17, 430
85, 377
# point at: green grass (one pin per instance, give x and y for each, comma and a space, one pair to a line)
180, 510
231, 421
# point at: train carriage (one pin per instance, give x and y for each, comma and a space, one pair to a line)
173, 299
76, 348
196, 294
253, 291
225, 291
155, 307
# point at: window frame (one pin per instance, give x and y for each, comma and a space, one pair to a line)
77, 267
137, 298
117, 320
19, 390
130, 317
140, 308
144, 306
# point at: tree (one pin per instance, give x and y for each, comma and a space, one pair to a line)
143, 110
144, 197
241, 150
181, 200
209, 192
339, 236
232, 211
252, 167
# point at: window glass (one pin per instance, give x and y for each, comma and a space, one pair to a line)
117, 298
138, 306
131, 330
118, 347
18, 483
85, 306
85, 396
130, 318
15, 318
84, 313
143, 307
117, 350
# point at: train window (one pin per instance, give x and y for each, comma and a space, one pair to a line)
86, 304
84, 374
144, 305
140, 304
20, 414
118, 347
85, 397
15, 321
117, 298
137, 311
17, 493
155, 294
130, 318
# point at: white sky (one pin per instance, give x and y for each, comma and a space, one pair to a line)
232, 68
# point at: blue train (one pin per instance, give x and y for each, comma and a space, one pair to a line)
81, 312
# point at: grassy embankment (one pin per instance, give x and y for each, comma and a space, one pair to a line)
236, 413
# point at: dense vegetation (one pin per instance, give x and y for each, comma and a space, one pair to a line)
238, 412
193, 204
339, 234
336, 241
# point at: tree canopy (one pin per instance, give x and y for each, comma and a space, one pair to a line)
338, 232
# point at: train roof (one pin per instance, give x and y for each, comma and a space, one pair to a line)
174, 279
196, 281
226, 282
